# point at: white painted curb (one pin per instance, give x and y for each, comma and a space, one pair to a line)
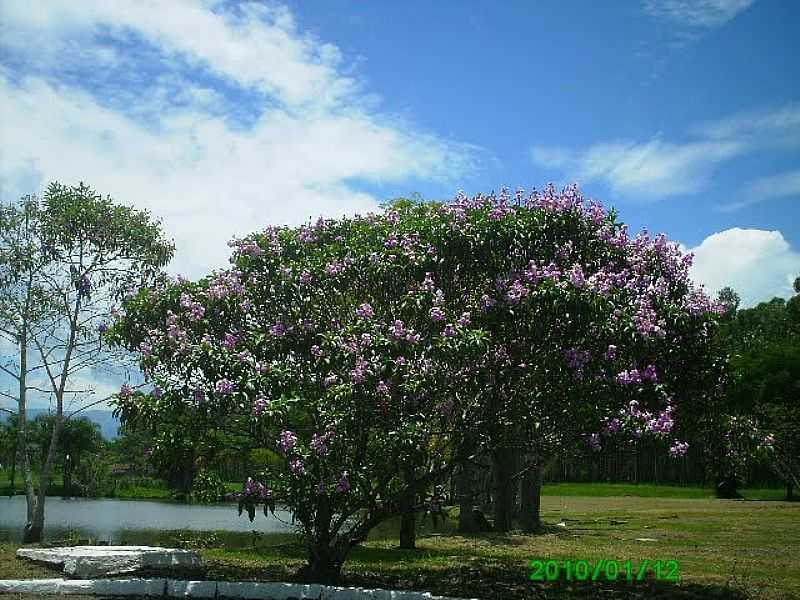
170, 588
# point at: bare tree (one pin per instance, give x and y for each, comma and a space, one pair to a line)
64, 261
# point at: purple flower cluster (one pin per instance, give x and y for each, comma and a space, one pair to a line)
225, 284
344, 483
365, 311
174, 332
319, 443
297, 466
437, 314
230, 340
334, 268
288, 440
360, 372
196, 310
259, 406
278, 330
255, 489
224, 387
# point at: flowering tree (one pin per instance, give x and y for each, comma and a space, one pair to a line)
374, 353
589, 333
317, 340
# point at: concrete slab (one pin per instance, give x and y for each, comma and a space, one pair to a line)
192, 589
87, 562
227, 590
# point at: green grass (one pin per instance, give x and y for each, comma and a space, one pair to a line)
735, 548
727, 549
648, 490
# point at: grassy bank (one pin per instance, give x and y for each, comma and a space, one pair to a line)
133, 488
726, 549
155, 490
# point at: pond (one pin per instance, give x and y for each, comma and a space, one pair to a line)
137, 521
168, 523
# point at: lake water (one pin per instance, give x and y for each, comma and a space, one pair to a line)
167, 523
136, 521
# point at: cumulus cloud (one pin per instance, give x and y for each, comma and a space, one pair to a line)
758, 264
219, 118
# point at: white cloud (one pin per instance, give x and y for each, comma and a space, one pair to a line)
781, 185
758, 264
696, 13
178, 146
766, 127
655, 168
255, 44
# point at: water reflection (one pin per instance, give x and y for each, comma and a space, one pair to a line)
132, 521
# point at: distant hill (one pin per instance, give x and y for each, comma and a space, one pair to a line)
108, 424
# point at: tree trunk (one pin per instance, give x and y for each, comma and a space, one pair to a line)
789, 491
408, 532
726, 489
30, 534
325, 559
503, 467
35, 527
467, 522
324, 565
66, 491
531, 496
13, 471
408, 517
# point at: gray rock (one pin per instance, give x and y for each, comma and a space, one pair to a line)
86, 562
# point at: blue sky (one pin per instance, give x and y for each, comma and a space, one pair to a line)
224, 117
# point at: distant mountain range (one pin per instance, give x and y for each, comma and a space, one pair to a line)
108, 424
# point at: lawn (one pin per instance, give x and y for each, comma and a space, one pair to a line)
726, 549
